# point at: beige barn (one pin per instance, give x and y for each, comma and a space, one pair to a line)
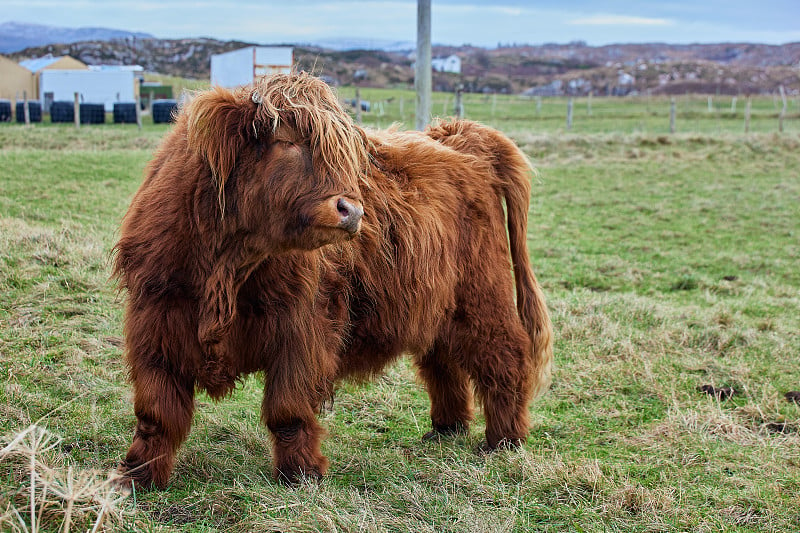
15, 81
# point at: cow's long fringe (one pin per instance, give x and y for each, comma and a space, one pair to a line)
308, 106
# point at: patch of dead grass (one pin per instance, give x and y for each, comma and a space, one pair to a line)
54, 496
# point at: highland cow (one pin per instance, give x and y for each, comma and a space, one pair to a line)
272, 234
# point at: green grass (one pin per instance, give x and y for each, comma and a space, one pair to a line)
669, 262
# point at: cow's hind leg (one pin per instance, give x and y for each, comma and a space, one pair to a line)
164, 405
450, 393
496, 353
502, 374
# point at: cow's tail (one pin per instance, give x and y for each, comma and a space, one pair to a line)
514, 172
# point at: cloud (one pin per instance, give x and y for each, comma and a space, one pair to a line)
619, 20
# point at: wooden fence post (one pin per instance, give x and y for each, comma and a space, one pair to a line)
139, 111
76, 106
358, 106
672, 115
747, 115
783, 109
26, 108
569, 114
459, 102
733, 105
538, 105
589, 104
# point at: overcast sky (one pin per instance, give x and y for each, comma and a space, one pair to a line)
477, 22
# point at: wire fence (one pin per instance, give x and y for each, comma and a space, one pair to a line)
639, 114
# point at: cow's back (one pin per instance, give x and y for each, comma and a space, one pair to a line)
432, 216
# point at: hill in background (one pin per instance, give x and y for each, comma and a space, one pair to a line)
16, 36
550, 69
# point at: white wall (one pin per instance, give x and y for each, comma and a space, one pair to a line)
273, 59
236, 68
232, 68
95, 87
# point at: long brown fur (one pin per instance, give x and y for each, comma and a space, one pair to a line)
235, 260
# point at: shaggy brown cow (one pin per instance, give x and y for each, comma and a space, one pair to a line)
272, 234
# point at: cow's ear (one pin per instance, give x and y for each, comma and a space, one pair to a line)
219, 125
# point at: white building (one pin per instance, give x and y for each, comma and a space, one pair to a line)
623, 78
94, 86
241, 67
451, 63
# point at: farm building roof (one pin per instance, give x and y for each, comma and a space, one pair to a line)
38, 63
41, 63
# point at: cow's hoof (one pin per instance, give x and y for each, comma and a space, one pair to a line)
485, 448
134, 478
120, 482
450, 430
295, 476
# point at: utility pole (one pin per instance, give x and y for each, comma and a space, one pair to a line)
422, 74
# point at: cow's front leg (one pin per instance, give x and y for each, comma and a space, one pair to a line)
164, 404
296, 438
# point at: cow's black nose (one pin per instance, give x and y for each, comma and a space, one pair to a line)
350, 212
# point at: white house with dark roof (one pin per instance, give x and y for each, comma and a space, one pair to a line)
451, 63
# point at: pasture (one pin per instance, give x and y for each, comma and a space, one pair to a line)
670, 262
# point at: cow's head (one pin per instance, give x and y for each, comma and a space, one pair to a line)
285, 161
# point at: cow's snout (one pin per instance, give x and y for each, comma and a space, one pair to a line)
350, 213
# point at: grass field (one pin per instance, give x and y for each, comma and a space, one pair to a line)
669, 261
